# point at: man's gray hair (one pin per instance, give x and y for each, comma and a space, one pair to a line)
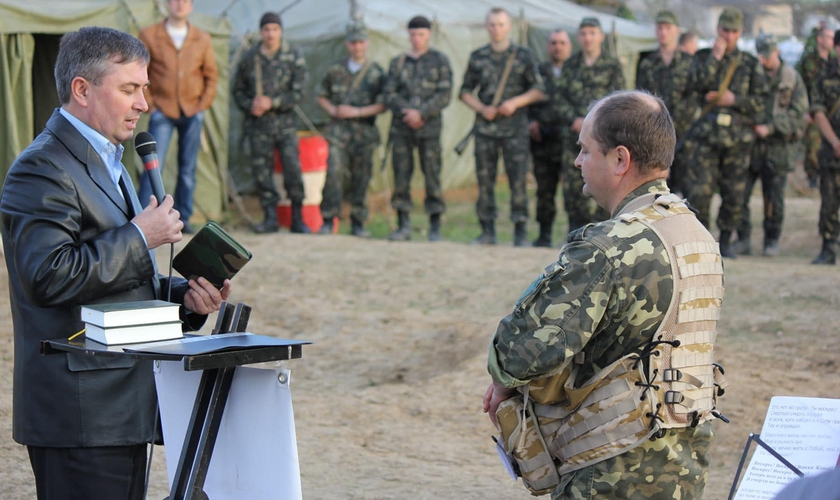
87, 53
638, 121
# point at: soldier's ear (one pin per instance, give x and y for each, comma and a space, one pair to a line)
622, 155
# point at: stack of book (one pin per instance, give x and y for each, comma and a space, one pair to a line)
132, 322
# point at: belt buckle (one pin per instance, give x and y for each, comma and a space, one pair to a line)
724, 120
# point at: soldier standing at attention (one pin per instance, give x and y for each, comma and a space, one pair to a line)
811, 64
665, 73
588, 75
731, 88
825, 108
546, 131
511, 70
268, 84
351, 93
419, 86
776, 146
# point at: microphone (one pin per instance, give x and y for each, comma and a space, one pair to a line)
146, 147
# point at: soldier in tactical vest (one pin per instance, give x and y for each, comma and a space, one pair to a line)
811, 65
588, 75
824, 108
546, 130
776, 146
351, 93
268, 85
731, 88
665, 73
593, 348
501, 122
419, 86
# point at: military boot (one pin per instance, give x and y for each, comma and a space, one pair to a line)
403, 231
742, 246
726, 249
488, 233
297, 219
828, 255
434, 227
520, 234
771, 243
269, 224
358, 229
544, 239
327, 226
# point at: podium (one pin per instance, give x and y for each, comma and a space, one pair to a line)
217, 356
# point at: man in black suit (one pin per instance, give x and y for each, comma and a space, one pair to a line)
74, 233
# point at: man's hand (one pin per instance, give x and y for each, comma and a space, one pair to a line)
507, 108
345, 111
260, 105
493, 398
489, 113
534, 132
204, 298
412, 118
725, 99
761, 131
160, 224
809, 119
719, 48
577, 125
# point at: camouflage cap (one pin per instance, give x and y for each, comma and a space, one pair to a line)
356, 30
667, 17
591, 22
731, 19
765, 44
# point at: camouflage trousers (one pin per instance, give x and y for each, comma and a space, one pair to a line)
548, 163
515, 153
349, 164
773, 181
674, 467
428, 148
829, 224
812, 141
262, 146
580, 209
724, 168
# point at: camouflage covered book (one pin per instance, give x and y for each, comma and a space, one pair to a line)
212, 254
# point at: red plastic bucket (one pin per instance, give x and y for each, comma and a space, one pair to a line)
313, 151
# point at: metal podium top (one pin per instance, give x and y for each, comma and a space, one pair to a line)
199, 352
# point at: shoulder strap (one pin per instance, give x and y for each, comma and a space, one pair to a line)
724, 84
356, 81
500, 89
258, 74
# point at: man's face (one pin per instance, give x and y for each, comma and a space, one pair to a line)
559, 46
179, 9
825, 39
271, 35
356, 48
667, 34
730, 36
115, 104
771, 62
419, 38
595, 167
498, 26
590, 38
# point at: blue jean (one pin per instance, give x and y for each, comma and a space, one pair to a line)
189, 141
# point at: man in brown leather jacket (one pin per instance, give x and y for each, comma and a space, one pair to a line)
182, 86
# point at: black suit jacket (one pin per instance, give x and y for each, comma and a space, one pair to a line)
68, 242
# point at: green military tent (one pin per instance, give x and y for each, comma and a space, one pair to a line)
30, 31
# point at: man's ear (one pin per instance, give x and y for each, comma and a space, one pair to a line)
622, 160
79, 90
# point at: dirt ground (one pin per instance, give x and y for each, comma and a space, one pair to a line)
388, 399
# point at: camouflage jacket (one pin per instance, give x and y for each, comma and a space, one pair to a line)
826, 95
586, 84
284, 77
749, 84
548, 112
810, 66
484, 71
424, 84
787, 123
334, 87
669, 82
604, 297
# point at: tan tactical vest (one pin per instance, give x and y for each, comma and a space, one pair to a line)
671, 383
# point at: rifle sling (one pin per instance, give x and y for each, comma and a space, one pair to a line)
724, 85
356, 81
500, 89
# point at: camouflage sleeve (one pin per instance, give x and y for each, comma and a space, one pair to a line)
243, 94
470, 82
703, 74
443, 93
642, 74
792, 120
393, 99
818, 97
533, 79
554, 318
754, 103
287, 100
617, 81
325, 85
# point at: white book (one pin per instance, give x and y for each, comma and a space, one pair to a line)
134, 334
141, 312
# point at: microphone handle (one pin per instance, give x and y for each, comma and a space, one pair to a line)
152, 166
